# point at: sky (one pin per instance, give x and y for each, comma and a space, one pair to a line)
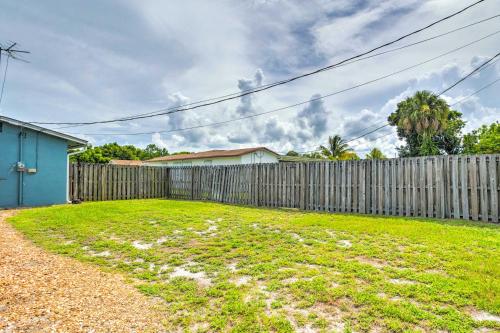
100, 60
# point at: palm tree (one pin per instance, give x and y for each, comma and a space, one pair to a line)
424, 114
336, 148
375, 154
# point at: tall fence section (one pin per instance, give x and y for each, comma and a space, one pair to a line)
98, 182
461, 187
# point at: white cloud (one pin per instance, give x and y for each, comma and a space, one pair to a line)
244, 85
475, 113
352, 33
157, 140
314, 117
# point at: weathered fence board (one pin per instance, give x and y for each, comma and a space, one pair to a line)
457, 187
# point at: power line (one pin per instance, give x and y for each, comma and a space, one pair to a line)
374, 139
475, 92
372, 125
368, 133
469, 75
303, 102
356, 144
345, 64
279, 82
475, 70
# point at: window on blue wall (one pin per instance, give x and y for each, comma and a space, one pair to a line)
1, 127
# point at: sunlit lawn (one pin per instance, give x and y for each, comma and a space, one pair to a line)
228, 268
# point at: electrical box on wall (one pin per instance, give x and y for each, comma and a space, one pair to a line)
32, 170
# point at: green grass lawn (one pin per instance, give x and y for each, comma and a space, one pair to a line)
228, 268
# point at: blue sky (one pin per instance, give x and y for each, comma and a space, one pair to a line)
96, 60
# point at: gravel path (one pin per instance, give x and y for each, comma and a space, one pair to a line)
43, 292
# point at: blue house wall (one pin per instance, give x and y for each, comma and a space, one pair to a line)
43, 181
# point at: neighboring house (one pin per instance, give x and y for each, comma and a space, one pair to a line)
218, 157
33, 164
126, 162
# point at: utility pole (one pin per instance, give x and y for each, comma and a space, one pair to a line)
11, 52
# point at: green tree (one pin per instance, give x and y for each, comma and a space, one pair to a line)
427, 124
114, 151
152, 151
484, 140
335, 149
348, 156
181, 153
375, 154
292, 153
91, 155
449, 141
314, 155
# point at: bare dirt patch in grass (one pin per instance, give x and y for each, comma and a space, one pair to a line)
210, 231
232, 266
162, 240
402, 281
372, 262
242, 280
327, 318
163, 268
297, 237
100, 254
141, 246
290, 280
199, 277
484, 316
484, 330
344, 243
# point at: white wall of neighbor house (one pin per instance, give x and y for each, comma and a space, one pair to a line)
202, 162
261, 156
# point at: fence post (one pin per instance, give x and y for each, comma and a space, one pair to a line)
192, 182
493, 187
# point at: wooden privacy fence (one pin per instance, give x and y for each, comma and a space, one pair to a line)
95, 182
461, 187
